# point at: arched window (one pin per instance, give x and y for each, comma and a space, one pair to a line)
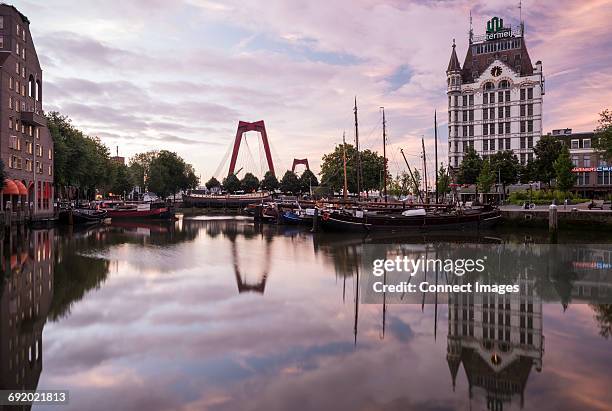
504, 84
489, 86
38, 90
31, 87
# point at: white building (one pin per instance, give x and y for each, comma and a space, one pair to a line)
495, 99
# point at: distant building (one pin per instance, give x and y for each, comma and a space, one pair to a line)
594, 174
118, 160
26, 147
495, 98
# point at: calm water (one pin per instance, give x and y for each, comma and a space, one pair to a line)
219, 314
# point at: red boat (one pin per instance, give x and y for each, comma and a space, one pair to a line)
141, 211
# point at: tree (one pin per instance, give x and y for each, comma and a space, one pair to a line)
79, 161
469, 170
563, 171
443, 181
212, 183
486, 178
122, 181
269, 182
231, 183
249, 183
603, 135
168, 174
505, 167
415, 186
603, 316
140, 167
546, 150
307, 180
290, 183
528, 172
332, 168
372, 166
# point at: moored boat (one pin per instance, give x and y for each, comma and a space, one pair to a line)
82, 216
141, 211
360, 220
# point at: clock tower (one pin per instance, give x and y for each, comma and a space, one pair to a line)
495, 98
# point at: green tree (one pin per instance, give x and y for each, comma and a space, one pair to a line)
603, 135
332, 169
372, 166
443, 181
168, 174
486, 178
505, 167
231, 183
139, 166
307, 180
79, 161
249, 183
270, 182
415, 185
546, 150
603, 316
122, 182
528, 172
563, 171
212, 183
469, 170
290, 183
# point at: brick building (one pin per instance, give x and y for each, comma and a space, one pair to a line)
26, 147
593, 173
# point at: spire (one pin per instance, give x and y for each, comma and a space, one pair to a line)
453, 64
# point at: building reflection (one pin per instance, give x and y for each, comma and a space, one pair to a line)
26, 287
498, 339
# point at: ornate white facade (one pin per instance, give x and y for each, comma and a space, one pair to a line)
495, 98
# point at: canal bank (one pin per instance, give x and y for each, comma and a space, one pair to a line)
576, 219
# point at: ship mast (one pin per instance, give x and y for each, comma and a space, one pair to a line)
436, 151
345, 191
384, 122
358, 153
425, 171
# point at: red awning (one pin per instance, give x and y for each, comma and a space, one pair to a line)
23, 191
10, 188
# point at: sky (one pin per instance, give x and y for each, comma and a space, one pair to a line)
179, 75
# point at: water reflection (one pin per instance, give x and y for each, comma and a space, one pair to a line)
244, 316
26, 289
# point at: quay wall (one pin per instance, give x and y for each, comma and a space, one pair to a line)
579, 219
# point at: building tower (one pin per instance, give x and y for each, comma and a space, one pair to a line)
453, 90
495, 98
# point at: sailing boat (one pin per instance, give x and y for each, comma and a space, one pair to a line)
414, 219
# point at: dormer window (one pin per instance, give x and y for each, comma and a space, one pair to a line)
575, 144
586, 143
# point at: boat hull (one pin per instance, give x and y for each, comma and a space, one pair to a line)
227, 201
472, 221
162, 213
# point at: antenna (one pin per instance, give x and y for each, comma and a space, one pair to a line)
471, 30
520, 6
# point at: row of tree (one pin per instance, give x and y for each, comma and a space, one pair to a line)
83, 163
552, 162
290, 183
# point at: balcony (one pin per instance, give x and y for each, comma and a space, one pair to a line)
33, 118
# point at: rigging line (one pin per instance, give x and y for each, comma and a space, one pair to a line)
223, 160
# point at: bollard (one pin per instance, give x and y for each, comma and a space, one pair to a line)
552, 218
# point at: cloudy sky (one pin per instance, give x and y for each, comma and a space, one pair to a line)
179, 75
